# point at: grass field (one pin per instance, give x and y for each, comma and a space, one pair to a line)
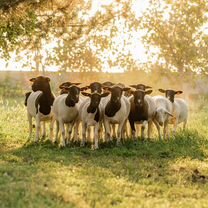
151, 173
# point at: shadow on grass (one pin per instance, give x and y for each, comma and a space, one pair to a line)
184, 144
132, 161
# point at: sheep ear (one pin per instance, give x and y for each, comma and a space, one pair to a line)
84, 88
161, 90
147, 87
148, 92
178, 92
32, 79
167, 112
105, 94
62, 86
48, 79
86, 94
126, 88
76, 83
134, 86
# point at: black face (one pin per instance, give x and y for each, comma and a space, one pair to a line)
64, 87
95, 100
95, 87
73, 94
139, 98
170, 94
116, 93
40, 83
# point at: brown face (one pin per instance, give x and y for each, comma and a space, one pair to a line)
94, 87
40, 83
139, 96
170, 94
116, 93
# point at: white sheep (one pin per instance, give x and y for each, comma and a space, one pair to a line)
66, 111
162, 114
91, 114
116, 111
142, 111
179, 108
39, 103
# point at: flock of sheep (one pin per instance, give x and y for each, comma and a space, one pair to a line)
105, 106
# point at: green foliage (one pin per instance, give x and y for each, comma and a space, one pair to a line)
176, 29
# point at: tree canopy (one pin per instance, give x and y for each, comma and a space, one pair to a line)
69, 34
176, 30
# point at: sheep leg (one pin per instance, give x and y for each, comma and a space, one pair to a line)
143, 129
44, 130
184, 125
76, 130
107, 130
89, 134
83, 135
124, 131
113, 130
165, 130
133, 130
149, 129
175, 124
57, 132
96, 134
30, 125
51, 128
158, 128
37, 119
119, 132
100, 131
63, 138
68, 126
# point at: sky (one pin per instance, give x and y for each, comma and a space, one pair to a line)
137, 50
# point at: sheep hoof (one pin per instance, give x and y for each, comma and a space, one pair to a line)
82, 144
118, 143
94, 147
62, 145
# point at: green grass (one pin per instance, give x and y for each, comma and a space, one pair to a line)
151, 173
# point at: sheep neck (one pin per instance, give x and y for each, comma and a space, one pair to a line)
112, 108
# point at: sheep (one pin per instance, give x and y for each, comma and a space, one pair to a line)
179, 108
116, 111
65, 85
39, 103
140, 86
162, 114
107, 84
94, 87
142, 111
91, 115
66, 111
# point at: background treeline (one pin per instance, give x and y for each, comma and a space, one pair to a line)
174, 33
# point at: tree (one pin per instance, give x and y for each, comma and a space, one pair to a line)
79, 43
175, 30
